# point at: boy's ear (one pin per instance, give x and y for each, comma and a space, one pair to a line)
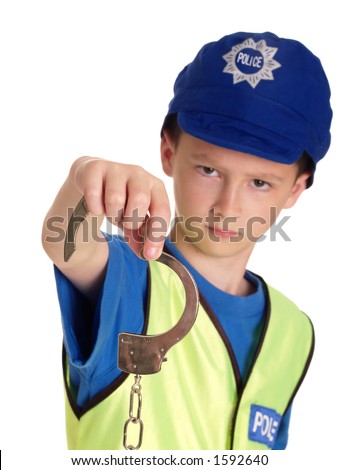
297, 189
167, 151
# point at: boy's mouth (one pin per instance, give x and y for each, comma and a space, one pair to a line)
217, 232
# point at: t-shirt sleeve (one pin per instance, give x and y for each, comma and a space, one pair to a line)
91, 334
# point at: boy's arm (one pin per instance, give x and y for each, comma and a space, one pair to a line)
126, 194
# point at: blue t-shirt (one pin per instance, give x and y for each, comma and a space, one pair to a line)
91, 335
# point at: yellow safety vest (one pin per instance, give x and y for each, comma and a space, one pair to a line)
197, 400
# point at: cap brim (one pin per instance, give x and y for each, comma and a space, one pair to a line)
239, 135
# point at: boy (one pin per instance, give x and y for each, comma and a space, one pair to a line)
249, 120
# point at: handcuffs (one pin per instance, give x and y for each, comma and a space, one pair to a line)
143, 354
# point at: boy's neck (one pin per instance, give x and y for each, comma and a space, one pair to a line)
227, 273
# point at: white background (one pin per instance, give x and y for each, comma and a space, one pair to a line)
95, 78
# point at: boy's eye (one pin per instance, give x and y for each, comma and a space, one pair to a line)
206, 170
260, 184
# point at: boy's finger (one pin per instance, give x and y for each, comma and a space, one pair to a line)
137, 205
157, 225
115, 200
134, 239
89, 180
154, 237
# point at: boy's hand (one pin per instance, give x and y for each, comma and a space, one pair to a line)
130, 197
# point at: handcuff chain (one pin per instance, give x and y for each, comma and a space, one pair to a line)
134, 419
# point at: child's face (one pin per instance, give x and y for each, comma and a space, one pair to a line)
225, 200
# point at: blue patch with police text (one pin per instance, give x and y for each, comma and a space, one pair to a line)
263, 425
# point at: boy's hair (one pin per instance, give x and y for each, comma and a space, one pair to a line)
171, 126
256, 93
304, 163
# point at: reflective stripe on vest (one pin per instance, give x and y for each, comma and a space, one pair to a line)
197, 400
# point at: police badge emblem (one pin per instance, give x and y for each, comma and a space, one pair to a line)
251, 61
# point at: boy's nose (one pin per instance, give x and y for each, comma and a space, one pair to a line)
228, 203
